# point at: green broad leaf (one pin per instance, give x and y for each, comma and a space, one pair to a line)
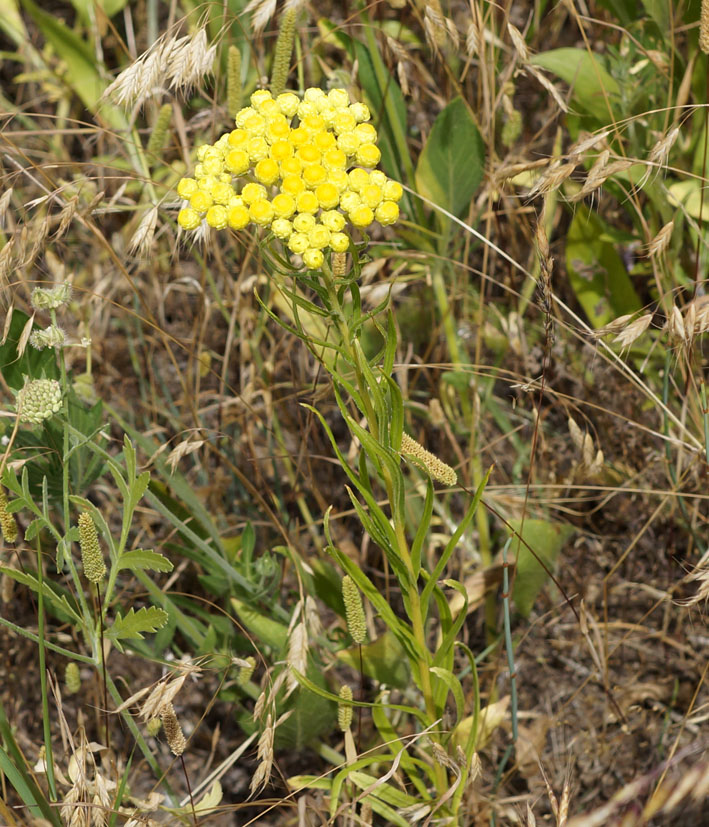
312, 716
688, 194
451, 165
37, 364
136, 624
60, 602
109, 7
659, 10
146, 559
592, 86
546, 539
263, 628
384, 660
597, 273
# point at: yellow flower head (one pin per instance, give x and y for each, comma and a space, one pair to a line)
301, 168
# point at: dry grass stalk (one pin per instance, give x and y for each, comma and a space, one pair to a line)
633, 331
403, 63
587, 141
552, 178
622, 810
142, 238
660, 153
4, 201
475, 32
177, 62
261, 12
66, 216
661, 242
675, 327
264, 756
298, 645
7, 259
696, 317
523, 52
701, 577
546, 264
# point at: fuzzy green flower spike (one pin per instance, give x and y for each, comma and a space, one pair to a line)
91, 557
303, 182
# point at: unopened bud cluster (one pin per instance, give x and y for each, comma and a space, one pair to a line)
305, 183
38, 400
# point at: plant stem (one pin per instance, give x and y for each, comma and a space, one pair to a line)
48, 756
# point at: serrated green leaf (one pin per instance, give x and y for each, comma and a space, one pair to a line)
143, 558
452, 162
135, 624
591, 84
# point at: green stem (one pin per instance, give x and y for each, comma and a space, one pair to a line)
48, 756
354, 356
67, 558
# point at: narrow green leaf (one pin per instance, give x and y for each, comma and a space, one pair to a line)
264, 628
59, 601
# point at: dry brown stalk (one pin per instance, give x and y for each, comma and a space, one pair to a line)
661, 242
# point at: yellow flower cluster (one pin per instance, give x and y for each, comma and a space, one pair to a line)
304, 182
